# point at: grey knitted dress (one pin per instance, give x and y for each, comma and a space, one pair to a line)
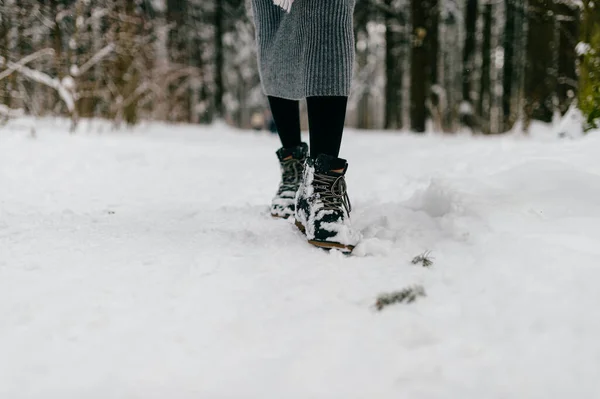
307, 52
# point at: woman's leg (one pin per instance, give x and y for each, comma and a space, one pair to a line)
286, 114
326, 117
322, 204
292, 155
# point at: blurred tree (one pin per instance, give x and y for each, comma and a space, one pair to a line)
567, 31
484, 103
540, 75
589, 48
395, 54
423, 60
467, 110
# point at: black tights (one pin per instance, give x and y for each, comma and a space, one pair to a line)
326, 116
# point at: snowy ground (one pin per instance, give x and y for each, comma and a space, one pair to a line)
144, 265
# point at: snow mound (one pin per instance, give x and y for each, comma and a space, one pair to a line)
571, 124
437, 200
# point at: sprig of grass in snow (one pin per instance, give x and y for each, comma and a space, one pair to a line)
424, 259
407, 295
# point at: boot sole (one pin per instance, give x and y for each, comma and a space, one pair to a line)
347, 249
300, 227
324, 244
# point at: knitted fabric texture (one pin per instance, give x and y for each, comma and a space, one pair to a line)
306, 52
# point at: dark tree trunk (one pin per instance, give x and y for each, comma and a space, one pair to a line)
219, 57
509, 62
568, 29
520, 61
131, 77
484, 103
467, 111
540, 82
394, 42
435, 98
177, 16
432, 40
469, 50
418, 84
4, 52
451, 71
422, 66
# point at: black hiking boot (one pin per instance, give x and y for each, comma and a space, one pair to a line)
322, 205
292, 165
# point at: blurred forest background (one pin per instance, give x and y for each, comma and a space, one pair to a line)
449, 65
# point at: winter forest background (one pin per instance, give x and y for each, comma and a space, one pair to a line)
484, 65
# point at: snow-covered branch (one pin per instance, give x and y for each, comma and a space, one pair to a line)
14, 66
99, 56
64, 87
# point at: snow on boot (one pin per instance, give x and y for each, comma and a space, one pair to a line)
322, 204
292, 165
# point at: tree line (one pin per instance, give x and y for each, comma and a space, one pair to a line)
484, 65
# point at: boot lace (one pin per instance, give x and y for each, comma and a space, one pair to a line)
291, 174
332, 192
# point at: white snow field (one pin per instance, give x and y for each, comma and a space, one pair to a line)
143, 264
